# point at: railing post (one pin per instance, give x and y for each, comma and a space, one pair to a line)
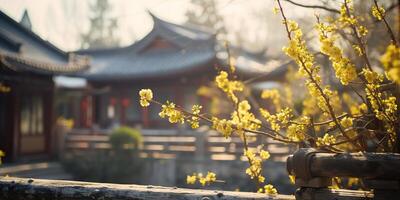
200, 144
314, 170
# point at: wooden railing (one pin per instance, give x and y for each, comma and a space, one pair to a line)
171, 144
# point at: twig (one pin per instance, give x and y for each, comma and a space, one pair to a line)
314, 6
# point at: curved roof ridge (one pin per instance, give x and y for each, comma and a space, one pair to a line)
159, 28
33, 35
184, 30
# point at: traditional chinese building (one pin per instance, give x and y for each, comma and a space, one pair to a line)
172, 60
27, 66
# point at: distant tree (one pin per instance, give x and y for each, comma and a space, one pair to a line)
205, 13
102, 27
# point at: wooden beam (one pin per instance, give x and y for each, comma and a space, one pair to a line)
310, 163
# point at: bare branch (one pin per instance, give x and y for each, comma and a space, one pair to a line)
314, 6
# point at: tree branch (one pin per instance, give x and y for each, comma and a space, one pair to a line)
314, 6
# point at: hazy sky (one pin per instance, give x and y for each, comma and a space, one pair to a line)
61, 21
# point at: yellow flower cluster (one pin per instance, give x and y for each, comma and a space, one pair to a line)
194, 120
269, 189
174, 115
318, 95
243, 118
346, 122
296, 132
292, 179
228, 86
372, 77
264, 154
377, 98
383, 105
358, 50
255, 168
344, 69
240, 120
223, 126
298, 51
391, 62
326, 140
208, 179
146, 95
69, 123
2, 154
274, 95
344, 18
378, 12
280, 119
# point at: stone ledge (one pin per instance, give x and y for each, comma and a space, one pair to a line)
38, 189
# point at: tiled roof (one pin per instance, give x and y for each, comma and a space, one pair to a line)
24, 51
192, 49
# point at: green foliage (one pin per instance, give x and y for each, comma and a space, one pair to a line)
125, 137
120, 164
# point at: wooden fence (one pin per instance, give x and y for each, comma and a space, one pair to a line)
172, 144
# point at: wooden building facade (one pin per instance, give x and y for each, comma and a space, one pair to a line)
27, 66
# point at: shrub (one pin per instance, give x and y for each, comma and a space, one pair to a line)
125, 137
116, 165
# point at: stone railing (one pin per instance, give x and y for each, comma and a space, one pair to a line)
38, 189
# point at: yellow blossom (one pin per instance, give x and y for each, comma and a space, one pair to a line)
346, 122
191, 179
243, 118
269, 189
391, 62
378, 12
296, 132
255, 168
372, 76
264, 155
228, 86
278, 120
211, 177
326, 140
208, 179
344, 69
274, 95
275, 10
194, 120
292, 179
261, 179
223, 126
363, 107
358, 50
362, 30
146, 95
174, 116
